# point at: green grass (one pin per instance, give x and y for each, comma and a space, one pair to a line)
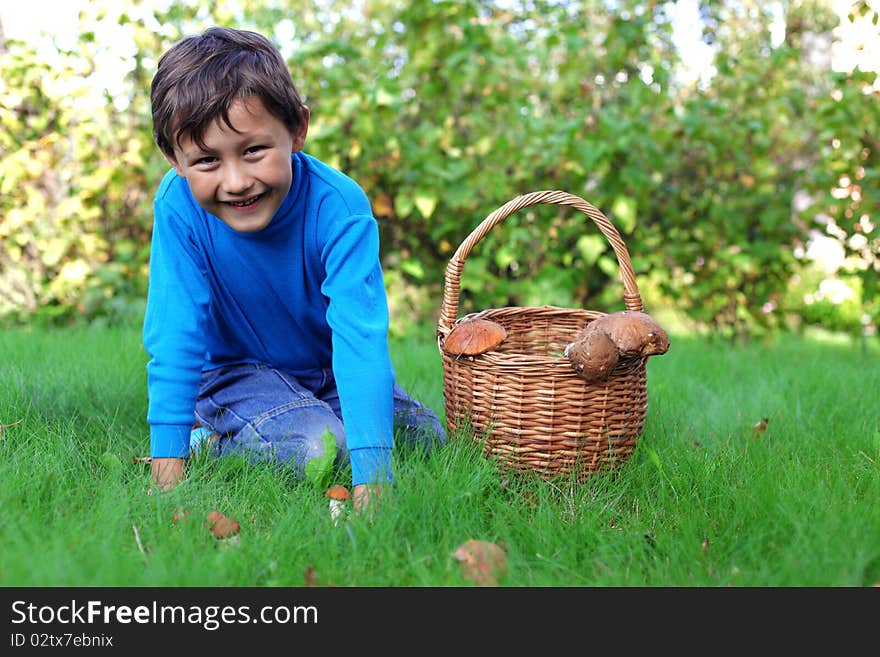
703, 501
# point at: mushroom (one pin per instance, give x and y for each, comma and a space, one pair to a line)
481, 562
603, 341
338, 496
221, 526
635, 333
593, 356
474, 336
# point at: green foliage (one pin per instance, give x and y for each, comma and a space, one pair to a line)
76, 179
843, 193
444, 111
834, 303
320, 468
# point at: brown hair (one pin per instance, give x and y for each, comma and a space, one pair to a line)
199, 77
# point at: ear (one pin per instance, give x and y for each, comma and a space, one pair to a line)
175, 164
299, 137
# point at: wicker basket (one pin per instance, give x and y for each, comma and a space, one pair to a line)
523, 401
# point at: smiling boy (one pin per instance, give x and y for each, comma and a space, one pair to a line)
243, 172
266, 320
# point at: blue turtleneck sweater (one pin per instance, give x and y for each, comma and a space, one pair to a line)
305, 292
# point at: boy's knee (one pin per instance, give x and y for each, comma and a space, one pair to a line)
419, 426
311, 438
291, 438
320, 453
320, 441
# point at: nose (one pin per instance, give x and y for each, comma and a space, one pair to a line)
235, 180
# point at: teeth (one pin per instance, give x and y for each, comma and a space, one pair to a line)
245, 202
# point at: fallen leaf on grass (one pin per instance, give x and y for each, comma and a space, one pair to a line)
179, 515
141, 459
311, 578
11, 424
760, 426
481, 562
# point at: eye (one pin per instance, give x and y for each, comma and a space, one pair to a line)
206, 161
252, 150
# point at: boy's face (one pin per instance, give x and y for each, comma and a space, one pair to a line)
244, 174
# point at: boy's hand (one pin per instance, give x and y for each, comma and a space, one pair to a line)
167, 473
365, 495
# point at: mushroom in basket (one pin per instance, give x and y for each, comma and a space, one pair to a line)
472, 337
603, 341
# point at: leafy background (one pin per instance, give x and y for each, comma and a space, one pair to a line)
724, 188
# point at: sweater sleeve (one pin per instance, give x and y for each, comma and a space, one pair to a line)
173, 332
358, 317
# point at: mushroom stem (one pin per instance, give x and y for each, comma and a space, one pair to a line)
339, 497
336, 509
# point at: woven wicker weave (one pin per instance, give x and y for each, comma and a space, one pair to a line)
523, 401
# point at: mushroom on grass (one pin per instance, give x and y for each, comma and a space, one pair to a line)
339, 498
482, 562
221, 526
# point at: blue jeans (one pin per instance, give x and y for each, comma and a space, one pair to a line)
269, 414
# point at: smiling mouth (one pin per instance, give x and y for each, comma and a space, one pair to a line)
246, 203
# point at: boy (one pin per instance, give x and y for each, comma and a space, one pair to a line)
266, 319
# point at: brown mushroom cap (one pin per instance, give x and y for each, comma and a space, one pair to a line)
338, 492
593, 355
222, 526
635, 333
482, 562
474, 336
225, 527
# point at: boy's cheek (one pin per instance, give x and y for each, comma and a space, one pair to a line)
203, 199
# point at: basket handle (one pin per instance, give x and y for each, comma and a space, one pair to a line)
452, 287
